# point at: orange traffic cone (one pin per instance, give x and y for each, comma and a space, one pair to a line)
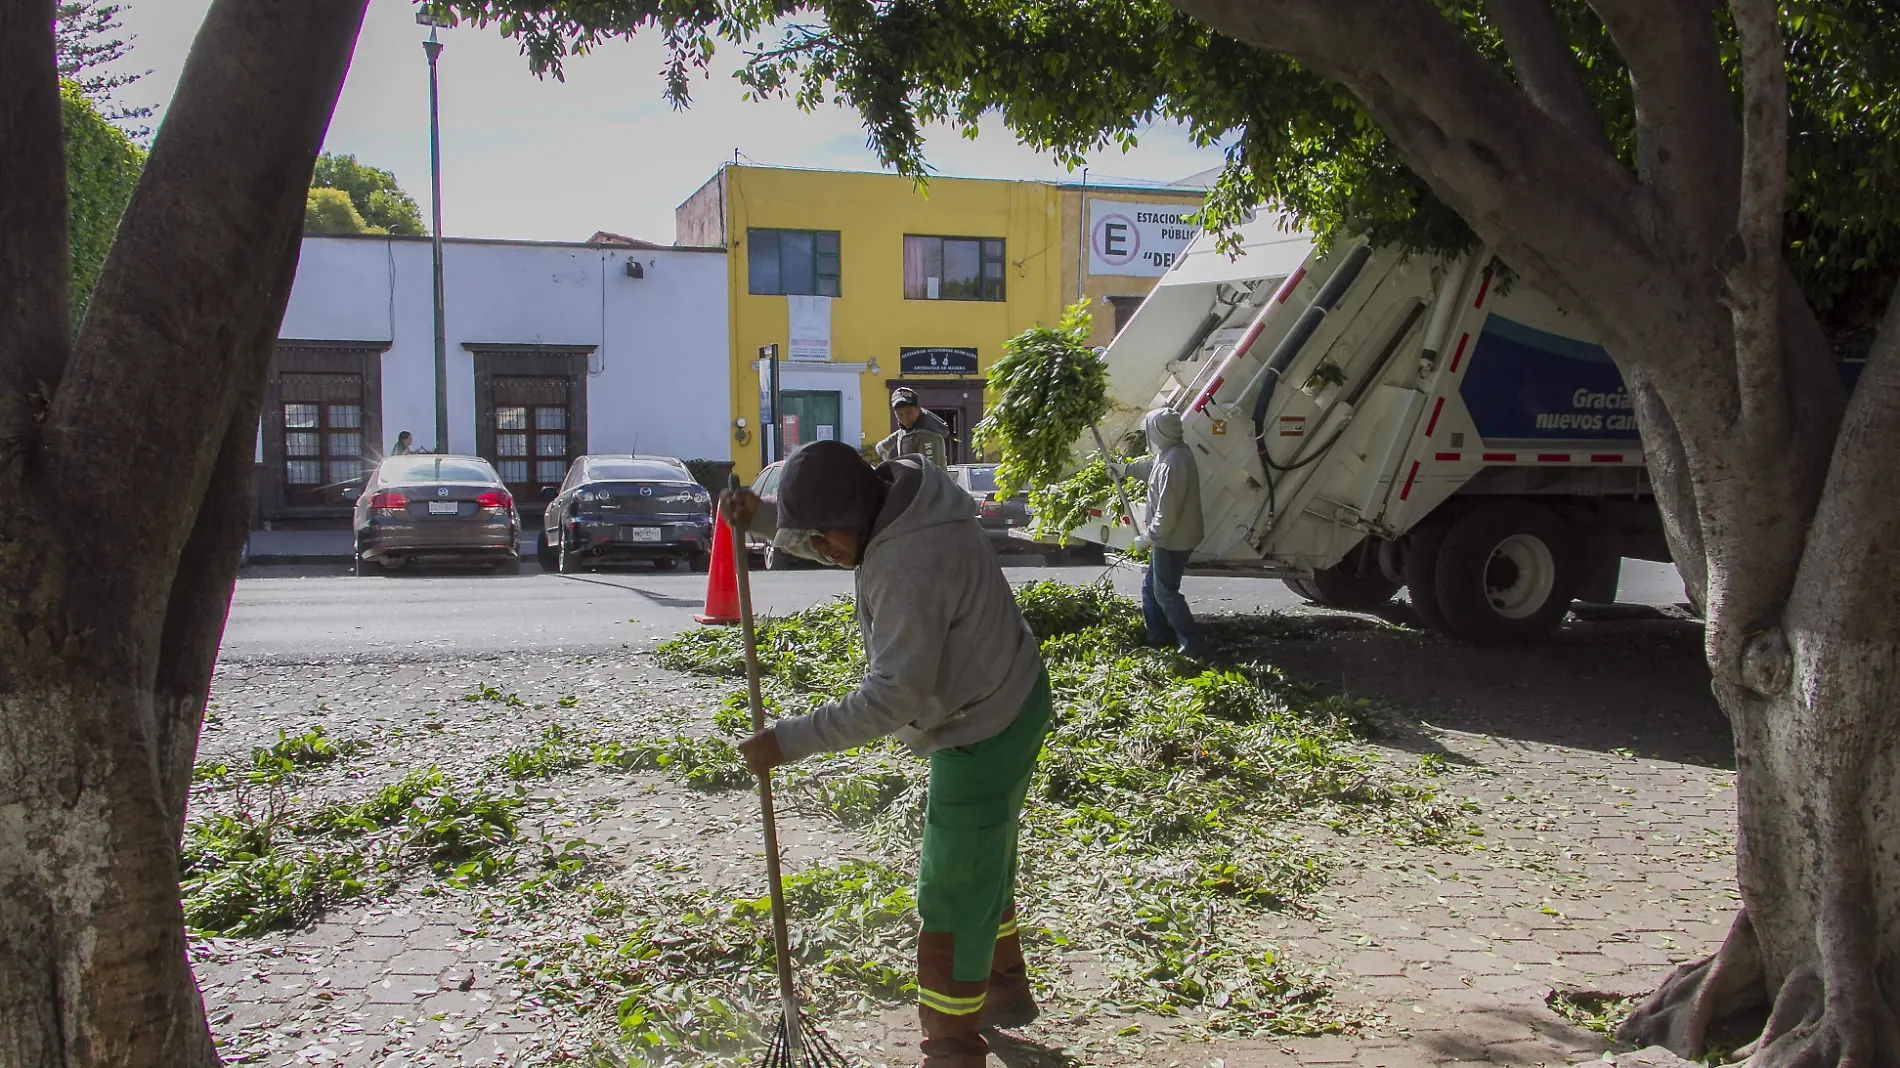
722, 584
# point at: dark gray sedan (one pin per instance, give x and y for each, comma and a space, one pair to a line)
997, 517
621, 508
427, 509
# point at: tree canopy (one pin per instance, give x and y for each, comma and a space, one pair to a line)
85, 34
102, 166
379, 203
1073, 78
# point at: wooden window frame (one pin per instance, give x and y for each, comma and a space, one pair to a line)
984, 260
312, 357
494, 361
818, 256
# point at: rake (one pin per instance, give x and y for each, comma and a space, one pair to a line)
796, 1041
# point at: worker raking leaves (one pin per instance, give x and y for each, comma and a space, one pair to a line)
955, 672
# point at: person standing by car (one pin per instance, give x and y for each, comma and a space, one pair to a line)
956, 673
1174, 530
918, 433
404, 445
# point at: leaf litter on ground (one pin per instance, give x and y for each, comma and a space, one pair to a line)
1176, 807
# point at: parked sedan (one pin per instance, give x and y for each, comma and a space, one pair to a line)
624, 508
997, 517
426, 509
760, 551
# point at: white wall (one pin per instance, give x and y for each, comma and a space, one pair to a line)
658, 378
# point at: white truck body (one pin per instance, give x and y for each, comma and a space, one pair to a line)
1340, 402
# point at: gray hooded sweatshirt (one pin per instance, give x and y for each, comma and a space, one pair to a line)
1174, 485
928, 437
951, 659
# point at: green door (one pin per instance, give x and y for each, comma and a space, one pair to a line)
808, 415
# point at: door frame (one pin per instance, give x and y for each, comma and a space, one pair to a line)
530, 361
964, 394
300, 356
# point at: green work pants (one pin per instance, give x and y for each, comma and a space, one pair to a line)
966, 879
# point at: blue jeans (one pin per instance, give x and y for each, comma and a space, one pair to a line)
1163, 609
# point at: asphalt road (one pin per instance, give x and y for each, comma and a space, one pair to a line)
320, 614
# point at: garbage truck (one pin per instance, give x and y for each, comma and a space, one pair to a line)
1367, 418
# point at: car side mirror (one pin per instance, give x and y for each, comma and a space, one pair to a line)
548, 493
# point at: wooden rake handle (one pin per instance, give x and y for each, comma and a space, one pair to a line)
781, 939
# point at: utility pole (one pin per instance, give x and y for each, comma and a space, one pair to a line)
433, 48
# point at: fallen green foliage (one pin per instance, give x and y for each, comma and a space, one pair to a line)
703, 763
1084, 497
248, 872
1176, 804
1594, 1011
556, 753
1049, 388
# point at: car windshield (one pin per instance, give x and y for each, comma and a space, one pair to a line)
635, 471
982, 479
436, 469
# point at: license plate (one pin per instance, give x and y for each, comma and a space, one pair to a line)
444, 507
639, 533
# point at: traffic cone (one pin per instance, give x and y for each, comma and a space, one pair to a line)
722, 583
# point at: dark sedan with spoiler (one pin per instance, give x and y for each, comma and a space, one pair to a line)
624, 508
425, 509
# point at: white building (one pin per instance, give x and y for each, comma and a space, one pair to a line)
554, 350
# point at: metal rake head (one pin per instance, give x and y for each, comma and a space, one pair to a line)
806, 1048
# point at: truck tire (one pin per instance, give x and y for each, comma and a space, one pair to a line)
1421, 572
1303, 589
1355, 583
1506, 572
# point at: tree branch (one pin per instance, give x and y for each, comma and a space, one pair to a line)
33, 256
1688, 143
1561, 213
1753, 280
199, 270
1546, 67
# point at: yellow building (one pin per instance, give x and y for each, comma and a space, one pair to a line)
864, 283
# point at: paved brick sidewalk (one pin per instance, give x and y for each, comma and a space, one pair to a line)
1597, 871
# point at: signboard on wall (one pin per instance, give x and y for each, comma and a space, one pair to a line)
768, 404
1138, 240
956, 361
810, 319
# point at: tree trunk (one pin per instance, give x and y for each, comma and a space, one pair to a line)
110, 613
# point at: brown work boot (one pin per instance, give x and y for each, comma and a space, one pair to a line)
1009, 1005
951, 1012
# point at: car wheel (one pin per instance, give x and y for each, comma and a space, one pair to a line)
570, 561
1355, 583
509, 565
1506, 572
546, 555
702, 562
359, 564
777, 559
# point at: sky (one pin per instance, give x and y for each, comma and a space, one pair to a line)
548, 160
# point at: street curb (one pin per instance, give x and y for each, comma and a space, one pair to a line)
287, 559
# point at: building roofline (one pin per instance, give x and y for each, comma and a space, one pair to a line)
636, 246
1103, 187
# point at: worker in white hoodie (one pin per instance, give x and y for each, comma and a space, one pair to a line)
1174, 529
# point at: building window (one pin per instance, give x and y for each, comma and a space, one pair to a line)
1125, 308
322, 437
953, 268
531, 433
798, 263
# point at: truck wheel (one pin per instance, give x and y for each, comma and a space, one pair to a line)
1303, 589
1421, 573
1355, 583
1506, 572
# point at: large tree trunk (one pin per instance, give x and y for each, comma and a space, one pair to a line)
1781, 514
124, 488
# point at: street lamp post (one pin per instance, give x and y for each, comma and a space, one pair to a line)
433, 48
